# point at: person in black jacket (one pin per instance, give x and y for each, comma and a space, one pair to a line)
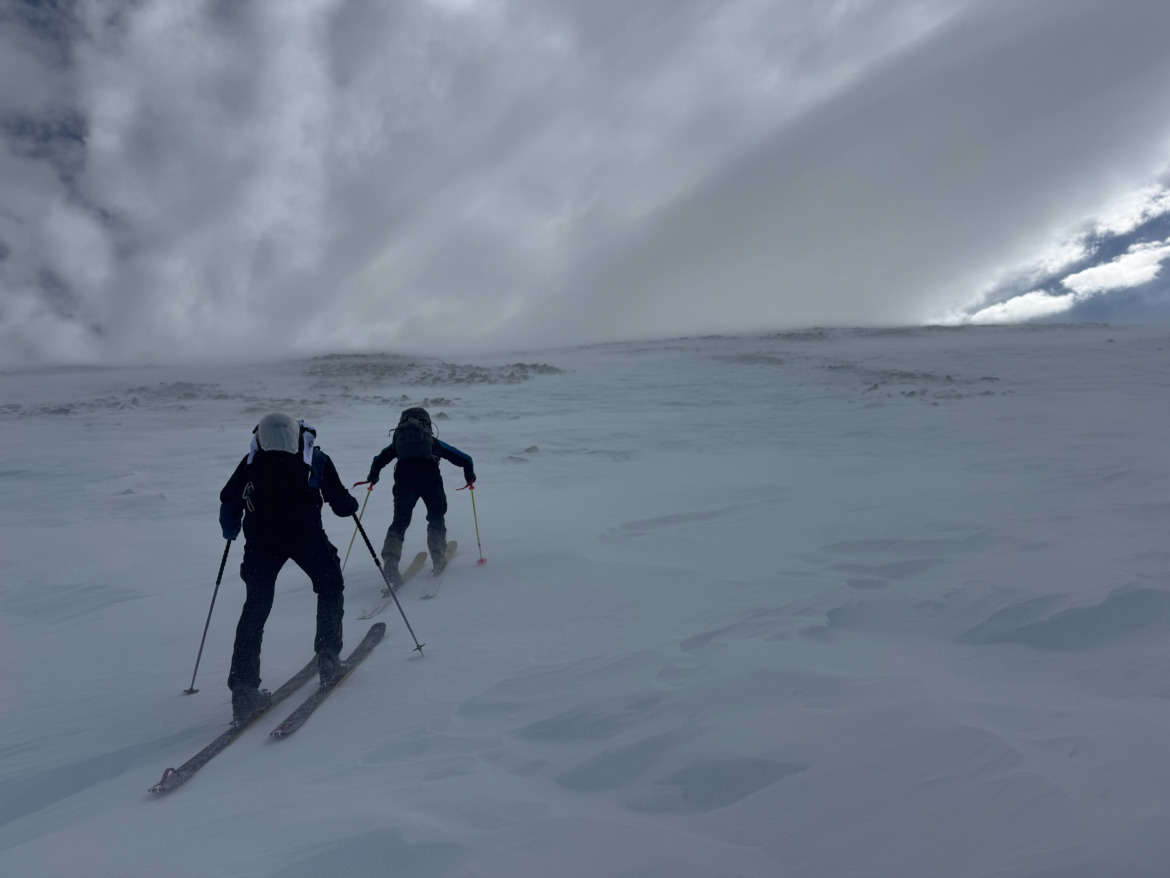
416, 475
278, 489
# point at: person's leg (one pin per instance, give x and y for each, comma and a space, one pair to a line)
318, 558
436, 502
405, 496
258, 570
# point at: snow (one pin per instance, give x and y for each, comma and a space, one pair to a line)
832, 603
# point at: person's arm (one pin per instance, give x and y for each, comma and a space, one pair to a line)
457, 457
339, 499
231, 502
386, 455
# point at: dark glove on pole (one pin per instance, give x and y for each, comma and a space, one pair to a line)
390, 585
207, 624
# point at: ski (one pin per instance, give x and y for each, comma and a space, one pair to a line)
415, 566
297, 718
437, 579
174, 777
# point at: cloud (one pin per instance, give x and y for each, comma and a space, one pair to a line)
1140, 265
1021, 309
1079, 258
230, 178
1062, 255
890, 202
1133, 209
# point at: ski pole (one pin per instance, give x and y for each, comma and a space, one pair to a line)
359, 518
471, 487
207, 624
390, 585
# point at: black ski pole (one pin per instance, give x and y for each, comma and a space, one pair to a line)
390, 585
207, 624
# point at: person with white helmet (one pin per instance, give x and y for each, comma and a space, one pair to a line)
278, 489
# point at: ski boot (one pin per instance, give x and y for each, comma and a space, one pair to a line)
390, 566
329, 667
247, 704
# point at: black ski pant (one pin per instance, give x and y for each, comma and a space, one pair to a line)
412, 483
263, 559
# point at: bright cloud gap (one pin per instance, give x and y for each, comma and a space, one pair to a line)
1072, 272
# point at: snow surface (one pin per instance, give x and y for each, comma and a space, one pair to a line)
835, 603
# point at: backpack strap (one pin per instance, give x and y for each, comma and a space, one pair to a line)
308, 439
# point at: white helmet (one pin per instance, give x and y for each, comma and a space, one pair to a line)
278, 432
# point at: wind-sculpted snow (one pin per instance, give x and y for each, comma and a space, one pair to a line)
1123, 614
382, 369
177, 396
836, 602
333, 380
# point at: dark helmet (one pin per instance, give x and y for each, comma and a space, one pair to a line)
418, 413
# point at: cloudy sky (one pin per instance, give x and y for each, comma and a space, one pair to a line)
230, 178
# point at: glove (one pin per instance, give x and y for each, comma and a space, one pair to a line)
372, 478
469, 476
350, 508
229, 522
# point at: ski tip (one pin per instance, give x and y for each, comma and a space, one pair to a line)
163, 786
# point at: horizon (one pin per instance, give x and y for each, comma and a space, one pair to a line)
797, 334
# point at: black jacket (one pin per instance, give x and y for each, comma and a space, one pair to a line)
282, 495
441, 450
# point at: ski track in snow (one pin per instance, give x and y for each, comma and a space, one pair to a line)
828, 603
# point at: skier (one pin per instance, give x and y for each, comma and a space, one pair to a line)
416, 475
281, 482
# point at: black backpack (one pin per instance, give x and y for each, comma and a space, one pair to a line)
278, 490
414, 436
